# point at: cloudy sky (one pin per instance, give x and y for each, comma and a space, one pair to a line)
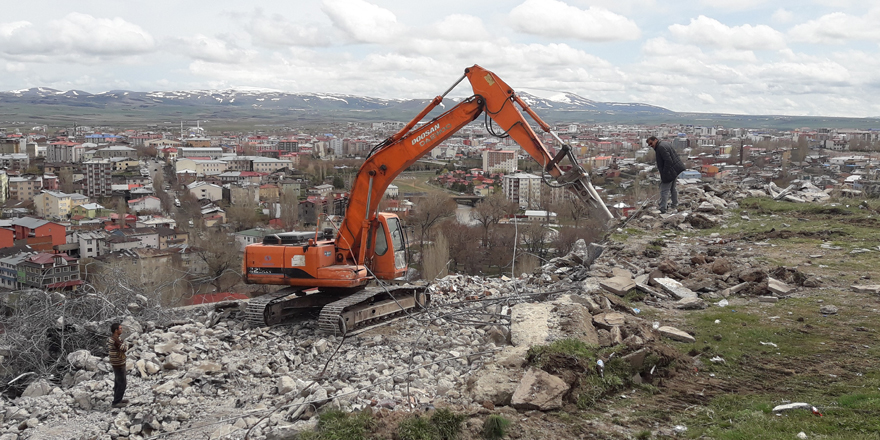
804, 57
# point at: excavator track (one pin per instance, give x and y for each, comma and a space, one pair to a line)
368, 305
255, 313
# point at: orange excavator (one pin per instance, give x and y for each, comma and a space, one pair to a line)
371, 245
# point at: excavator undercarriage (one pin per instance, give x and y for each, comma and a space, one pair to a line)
341, 310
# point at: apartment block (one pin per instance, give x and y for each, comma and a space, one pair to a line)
97, 178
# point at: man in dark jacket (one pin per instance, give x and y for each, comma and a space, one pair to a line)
116, 350
669, 166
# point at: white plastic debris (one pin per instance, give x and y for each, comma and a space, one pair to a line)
680, 429
791, 406
802, 435
769, 343
717, 321
718, 360
656, 325
723, 303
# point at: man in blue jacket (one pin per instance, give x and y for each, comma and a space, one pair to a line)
669, 166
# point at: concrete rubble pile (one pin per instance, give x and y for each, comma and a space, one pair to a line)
798, 191
205, 377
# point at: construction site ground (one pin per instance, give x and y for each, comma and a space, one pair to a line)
787, 312
773, 353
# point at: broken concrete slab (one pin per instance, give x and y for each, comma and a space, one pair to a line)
768, 299
676, 334
690, 303
608, 320
675, 288
874, 288
618, 285
495, 385
539, 390
528, 324
731, 290
621, 272
778, 287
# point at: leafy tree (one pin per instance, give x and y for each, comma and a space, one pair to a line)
338, 183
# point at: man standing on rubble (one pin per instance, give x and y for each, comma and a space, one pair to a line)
670, 166
116, 350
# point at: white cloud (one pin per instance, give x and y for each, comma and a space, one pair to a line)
275, 30
75, 34
363, 22
459, 27
555, 19
210, 49
838, 28
733, 5
707, 98
782, 15
16, 67
710, 32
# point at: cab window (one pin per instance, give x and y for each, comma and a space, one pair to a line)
381, 241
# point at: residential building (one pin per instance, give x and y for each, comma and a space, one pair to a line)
250, 236
25, 187
148, 203
64, 152
499, 161
202, 167
98, 178
4, 187
522, 188
90, 244
56, 204
10, 277
51, 272
89, 210
269, 165
39, 233
15, 161
203, 190
242, 193
210, 152
115, 151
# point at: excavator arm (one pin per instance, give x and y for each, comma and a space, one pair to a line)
397, 153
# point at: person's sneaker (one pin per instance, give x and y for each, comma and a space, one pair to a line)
124, 400
119, 405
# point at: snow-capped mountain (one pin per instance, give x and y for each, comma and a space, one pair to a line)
273, 103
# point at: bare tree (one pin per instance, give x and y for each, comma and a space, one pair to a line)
289, 215
491, 210
429, 211
435, 258
65, 180
574, 209
218, 252
464, 247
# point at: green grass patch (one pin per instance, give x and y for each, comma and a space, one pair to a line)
339, 425
538, 355
495, 427
736, 417
417, 428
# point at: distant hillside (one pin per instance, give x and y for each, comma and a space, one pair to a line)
54, 107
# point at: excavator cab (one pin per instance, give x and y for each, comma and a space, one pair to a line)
387, 244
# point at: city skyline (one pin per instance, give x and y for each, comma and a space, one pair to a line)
817, 58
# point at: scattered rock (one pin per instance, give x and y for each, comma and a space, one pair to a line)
539, 390
676, 334
828, 310
618, 285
